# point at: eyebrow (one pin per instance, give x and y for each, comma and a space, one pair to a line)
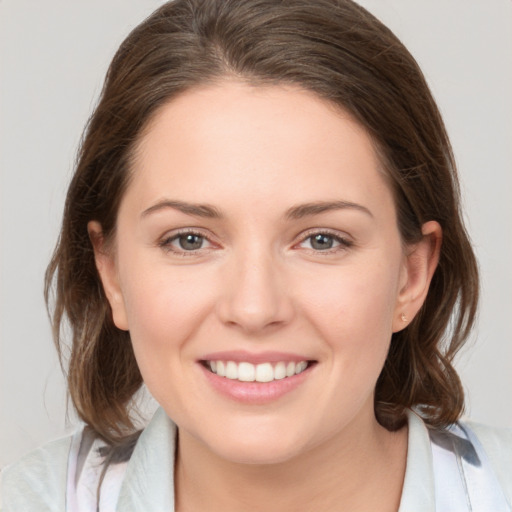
294, 213
318, 207
198, 210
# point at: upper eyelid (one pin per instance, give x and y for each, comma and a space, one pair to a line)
184, 231
330, 231
304, 234
326, 231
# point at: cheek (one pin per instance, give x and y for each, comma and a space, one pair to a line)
353, 307
165, 307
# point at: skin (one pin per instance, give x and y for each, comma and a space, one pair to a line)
256, 284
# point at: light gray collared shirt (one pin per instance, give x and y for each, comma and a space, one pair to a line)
63, 475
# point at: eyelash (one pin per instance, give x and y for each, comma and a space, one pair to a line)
344, 243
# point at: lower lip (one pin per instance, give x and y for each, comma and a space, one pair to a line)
256, 393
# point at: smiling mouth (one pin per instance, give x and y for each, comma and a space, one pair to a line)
263, 372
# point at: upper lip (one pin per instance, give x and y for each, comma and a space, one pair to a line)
239, 356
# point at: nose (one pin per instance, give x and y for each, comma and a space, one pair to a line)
255, 297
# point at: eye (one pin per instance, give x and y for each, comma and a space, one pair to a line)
186, 241
321, 241
190, 241
324, 241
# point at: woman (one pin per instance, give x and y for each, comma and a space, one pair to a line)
264, 228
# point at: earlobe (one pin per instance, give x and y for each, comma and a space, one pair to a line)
107, 270
419, 267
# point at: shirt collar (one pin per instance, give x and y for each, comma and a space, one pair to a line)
418, 490
149, 480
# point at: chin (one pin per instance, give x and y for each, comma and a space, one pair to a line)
256, 454
257, 446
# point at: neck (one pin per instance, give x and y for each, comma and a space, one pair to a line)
358, 470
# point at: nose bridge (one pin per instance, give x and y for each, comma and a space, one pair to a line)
255, 295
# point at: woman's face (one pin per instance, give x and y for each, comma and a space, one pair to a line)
258, 238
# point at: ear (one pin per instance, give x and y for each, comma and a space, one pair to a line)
420, 264
107, 269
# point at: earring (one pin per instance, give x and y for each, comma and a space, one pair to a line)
403, 317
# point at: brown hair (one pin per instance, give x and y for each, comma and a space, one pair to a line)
335, 49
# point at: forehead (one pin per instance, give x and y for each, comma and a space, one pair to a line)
267, 145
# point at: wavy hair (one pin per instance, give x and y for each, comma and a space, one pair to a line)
340, 52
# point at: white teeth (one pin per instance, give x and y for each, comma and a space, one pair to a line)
263, 372
231, 370
246, 372
300, 367
280, 371
221, 369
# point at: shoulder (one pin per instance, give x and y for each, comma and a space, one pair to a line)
63, 475
38, 480
70, 474
465, 463
497, 444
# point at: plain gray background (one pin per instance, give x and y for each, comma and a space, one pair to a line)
53, 58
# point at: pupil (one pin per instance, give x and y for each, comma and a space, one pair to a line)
322, 242
191, 242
